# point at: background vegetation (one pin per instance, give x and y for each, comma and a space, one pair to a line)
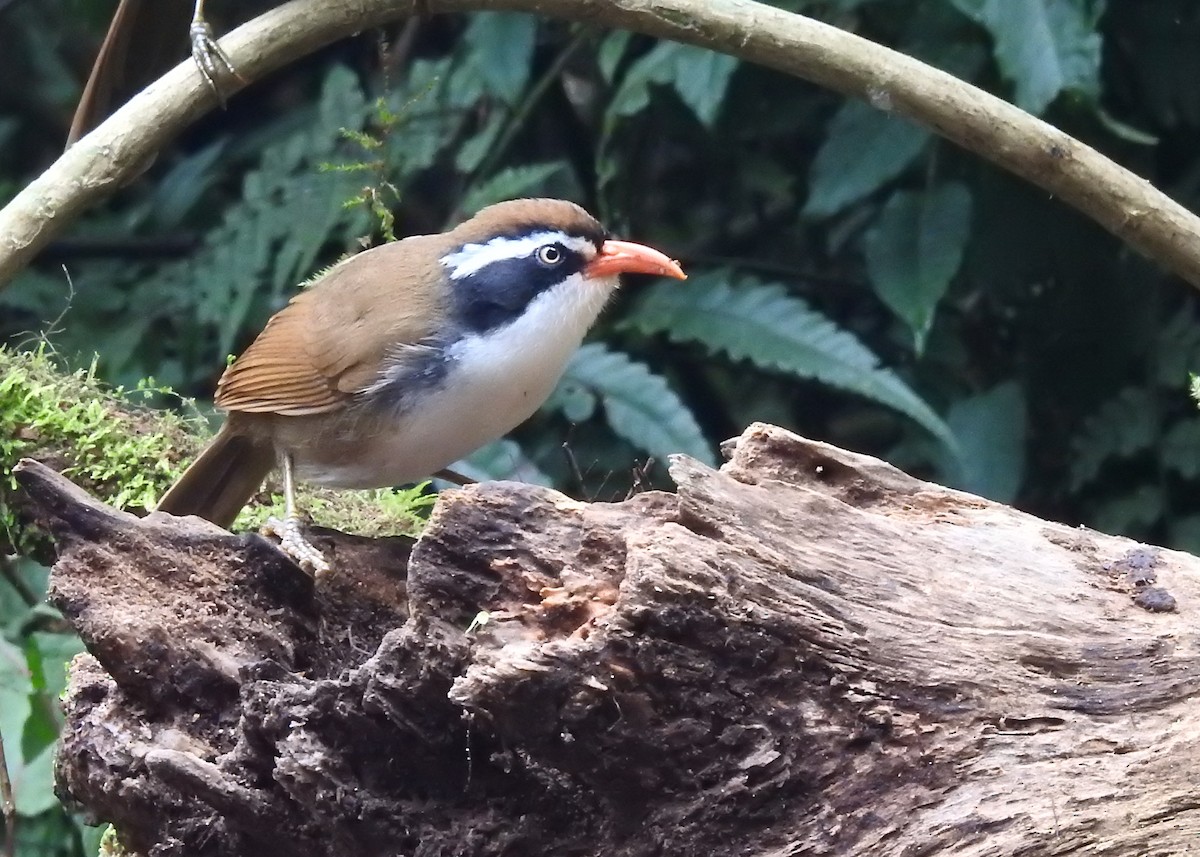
853, 277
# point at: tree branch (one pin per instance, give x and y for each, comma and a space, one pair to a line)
1126, 205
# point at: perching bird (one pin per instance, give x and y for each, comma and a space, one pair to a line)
407, 357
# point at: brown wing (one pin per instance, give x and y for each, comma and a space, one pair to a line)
333, 340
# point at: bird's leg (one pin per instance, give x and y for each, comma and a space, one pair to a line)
210, 59
291, 542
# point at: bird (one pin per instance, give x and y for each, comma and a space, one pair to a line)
404, 358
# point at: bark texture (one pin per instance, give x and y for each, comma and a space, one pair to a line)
807, 652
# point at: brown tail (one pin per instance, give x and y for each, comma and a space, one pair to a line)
222, 479
143, 41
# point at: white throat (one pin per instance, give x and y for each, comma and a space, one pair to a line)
528, 355
494, 382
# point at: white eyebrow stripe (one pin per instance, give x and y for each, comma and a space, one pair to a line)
471, 258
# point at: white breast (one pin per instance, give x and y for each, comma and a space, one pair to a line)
494, 383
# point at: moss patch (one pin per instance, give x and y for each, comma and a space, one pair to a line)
110, 442
378, 512
99, 436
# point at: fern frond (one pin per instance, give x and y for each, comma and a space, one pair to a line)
269, 239
1123, 426
1180, 448
640, 406
501, 459
761, 323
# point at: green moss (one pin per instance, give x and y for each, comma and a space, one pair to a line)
378, 512
99, 436
110, 844
108, 441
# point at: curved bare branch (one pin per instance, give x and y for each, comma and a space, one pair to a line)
1123, 203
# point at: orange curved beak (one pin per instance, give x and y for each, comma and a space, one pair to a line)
625, 257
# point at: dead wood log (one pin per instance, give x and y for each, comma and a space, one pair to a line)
807, 652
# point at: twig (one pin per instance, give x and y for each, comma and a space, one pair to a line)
8, 806
8, 570
1117, 199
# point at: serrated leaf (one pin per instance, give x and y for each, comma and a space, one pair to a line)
638, 405
863, 149
990, 428
510, 183
699, 76
1123, 426
501, 51
915, 249
342, 105
1043, 46
763, 324
576, 402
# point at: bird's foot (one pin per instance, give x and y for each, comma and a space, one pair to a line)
211, 60
293, 543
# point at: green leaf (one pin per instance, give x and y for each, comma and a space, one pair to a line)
576, 402
915, 249
863, 149
33, 783
1177, 350
510, 183
1180, 449
763, 324
342, 105
609, 55
501, 51
1123, 426
425, 130
1043, 46
1185, 534
699, 76
1131, 514
54, 654
472, 152
639, 405
501, 459
15, 689
990, 428
181, 189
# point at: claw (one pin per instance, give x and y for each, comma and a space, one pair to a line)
211, 60
293, 543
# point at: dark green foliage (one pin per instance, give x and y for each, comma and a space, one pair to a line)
852, 276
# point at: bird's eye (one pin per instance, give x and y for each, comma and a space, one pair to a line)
551, 254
